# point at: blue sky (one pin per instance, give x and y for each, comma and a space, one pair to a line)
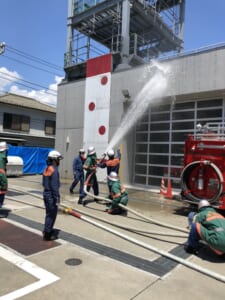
39, 28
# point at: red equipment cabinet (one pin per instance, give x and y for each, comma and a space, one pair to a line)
204, 166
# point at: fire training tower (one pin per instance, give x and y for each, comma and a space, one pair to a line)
133, 31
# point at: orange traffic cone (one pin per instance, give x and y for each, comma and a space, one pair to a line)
169, 190
162, 187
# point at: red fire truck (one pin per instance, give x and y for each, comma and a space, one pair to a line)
203, 175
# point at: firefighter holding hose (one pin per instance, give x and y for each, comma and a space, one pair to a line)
90, 166
118, 195
208, 225
112, 163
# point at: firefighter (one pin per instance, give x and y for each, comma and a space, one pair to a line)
208, 225
90, 166
118, 195
3, 177
51, 195
3, 186
78, 173
112, 163
3, 155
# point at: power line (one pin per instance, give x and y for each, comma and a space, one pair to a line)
33, 58
47, 92
29, 82
16, 60
30, 61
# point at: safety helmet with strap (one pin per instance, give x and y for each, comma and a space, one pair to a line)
3, 146
91, 150
111, 153
113, 176
54, 155
203, 203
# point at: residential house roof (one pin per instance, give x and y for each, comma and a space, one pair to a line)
17, 100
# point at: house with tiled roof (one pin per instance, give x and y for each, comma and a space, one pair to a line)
26, 122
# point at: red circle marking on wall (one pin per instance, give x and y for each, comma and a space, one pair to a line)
91, 106
104, 80
102, 130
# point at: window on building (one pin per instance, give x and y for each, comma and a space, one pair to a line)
49, 127
161, 135
16, 122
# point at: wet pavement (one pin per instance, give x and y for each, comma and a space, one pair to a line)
101, 256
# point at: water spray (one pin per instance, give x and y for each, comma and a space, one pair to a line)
152, 91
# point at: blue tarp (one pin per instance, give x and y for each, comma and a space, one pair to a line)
34, 158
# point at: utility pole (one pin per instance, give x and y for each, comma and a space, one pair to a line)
2, 47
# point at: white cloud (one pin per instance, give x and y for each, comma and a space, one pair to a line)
7, 78
8, 81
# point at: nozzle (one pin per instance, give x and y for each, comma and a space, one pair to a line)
67, 210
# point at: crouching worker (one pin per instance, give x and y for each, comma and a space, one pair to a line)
118, 195
51, 196
208, 225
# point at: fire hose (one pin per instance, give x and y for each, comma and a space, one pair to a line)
188, 264
186, 190
133, 229
146, 246
131, 210
141, 231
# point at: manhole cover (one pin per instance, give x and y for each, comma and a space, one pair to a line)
73, 261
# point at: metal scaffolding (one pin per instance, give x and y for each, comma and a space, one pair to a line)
134, 31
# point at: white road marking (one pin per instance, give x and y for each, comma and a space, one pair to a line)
45, 277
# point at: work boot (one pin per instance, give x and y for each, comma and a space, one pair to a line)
190, 249
49, 236
114, 211
71, 192
123, 212
80, 201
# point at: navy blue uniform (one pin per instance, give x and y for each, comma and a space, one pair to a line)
51, 196
78, 174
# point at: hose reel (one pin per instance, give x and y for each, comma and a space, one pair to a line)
201, 180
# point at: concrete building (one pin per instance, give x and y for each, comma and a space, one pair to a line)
145, 109
26, 122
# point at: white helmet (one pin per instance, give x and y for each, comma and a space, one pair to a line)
203, 203
111, 153
3, 146
54, 155
91, 150
113, 176
82, 151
